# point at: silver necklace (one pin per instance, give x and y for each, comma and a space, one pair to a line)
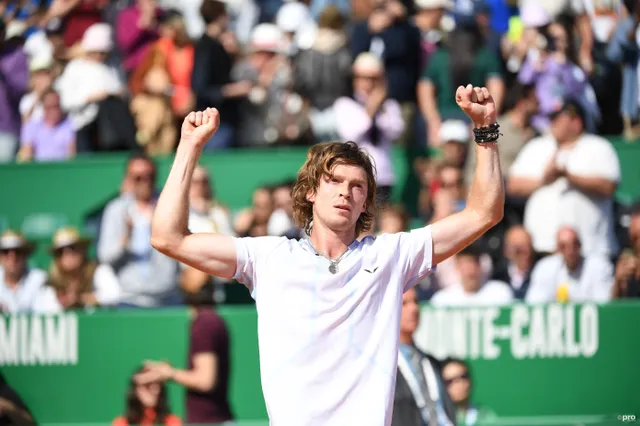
333, 265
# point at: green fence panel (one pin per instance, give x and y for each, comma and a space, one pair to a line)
527, 361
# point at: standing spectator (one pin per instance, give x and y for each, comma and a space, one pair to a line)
518, 262
428, 19
457, 378
420, 396
627, 279
465, 59
455, 136
86, 82
570, 276
254, 221
14, 79
371, 119
19, 284
472, 289
74, 17
322, 73
146, 404
75, 281
521, 104
211, 76
570, 177
207, 375
136, 30
50, 138
147, 277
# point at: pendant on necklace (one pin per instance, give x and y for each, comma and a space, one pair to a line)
333, 268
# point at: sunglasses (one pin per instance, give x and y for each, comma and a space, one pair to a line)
454, 379
68, 249
147, 177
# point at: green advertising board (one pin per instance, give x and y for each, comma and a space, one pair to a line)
527, 361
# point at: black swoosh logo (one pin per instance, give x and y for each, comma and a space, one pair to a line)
371, 271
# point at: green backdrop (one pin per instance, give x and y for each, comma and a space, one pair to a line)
526, 361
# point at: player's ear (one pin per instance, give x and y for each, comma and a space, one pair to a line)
311, 196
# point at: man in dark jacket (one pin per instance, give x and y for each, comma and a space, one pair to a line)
420, 398
13, 410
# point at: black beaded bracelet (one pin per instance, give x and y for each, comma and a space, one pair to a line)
487, 134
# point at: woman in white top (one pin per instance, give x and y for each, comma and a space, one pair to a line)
74, 281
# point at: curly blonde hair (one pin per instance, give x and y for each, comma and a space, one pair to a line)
321, 161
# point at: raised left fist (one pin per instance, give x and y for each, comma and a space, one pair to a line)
478, 104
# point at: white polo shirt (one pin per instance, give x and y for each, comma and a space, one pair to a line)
329, 343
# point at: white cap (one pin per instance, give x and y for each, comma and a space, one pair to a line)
267, 38
15, 28
40, 62
368, 62
455, 131
292, 16
97, 38
434, 4
533, 15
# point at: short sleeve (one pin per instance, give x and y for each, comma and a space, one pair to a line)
208, 334
531, 160
491, 65
414, 254
434, 66
598, 158
249, 252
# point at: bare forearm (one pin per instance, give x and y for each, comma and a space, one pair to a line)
486, 197
599, 187
190, 379
522, 187
171, 217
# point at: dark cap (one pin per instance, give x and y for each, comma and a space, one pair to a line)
569, 105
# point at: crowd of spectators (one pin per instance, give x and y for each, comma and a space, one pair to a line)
89, 76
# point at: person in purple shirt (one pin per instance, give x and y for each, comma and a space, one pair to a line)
14, 80
50, 138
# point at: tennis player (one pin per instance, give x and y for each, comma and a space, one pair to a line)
329, 306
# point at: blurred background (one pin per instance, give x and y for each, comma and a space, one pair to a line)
92, 96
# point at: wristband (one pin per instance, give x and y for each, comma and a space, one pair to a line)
487, 134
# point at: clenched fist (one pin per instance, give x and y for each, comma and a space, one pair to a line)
478, 104
198, 127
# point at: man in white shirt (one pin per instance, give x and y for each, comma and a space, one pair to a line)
473, 289
329, 306
570, 178
19, 285
569, 276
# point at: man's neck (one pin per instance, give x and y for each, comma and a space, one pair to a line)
331, 243
12, 280
406, 338
213, 31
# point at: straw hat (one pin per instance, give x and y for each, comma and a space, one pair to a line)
67, 237
12, 240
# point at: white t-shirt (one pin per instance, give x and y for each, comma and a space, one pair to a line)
492, 293
559, 204
591, 282
329, 343
21, 298
105, 285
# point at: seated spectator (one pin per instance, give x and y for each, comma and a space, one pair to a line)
627, 279
254, 220
393, 219
147, 277
371, 119
206, 213
51, 137
420, 396
86, 82
281, 220
41, 69
298, 26
472, 289
455, 136
457, 379
570, 276
206, 377
19, 284
518, 262
211, 76
75, 281
13, 410
323, 71
146, 404
570, 177
151, 109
